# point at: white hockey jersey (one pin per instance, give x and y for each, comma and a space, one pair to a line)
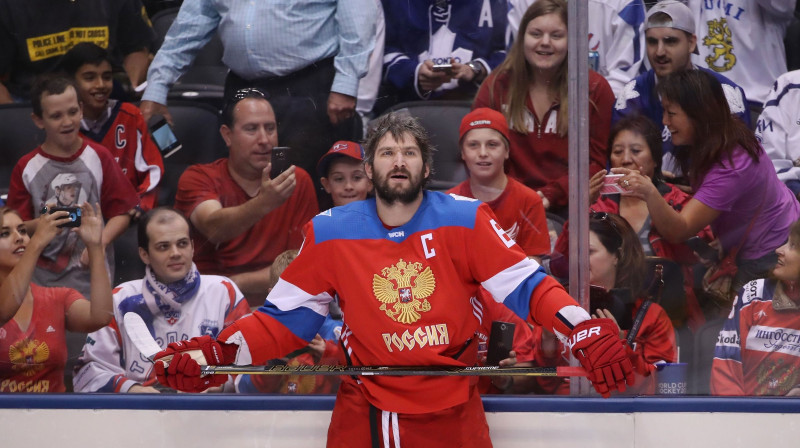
743, 40
778, 128
111, 363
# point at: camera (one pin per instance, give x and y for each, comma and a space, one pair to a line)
74, 215
445, 68
610, 185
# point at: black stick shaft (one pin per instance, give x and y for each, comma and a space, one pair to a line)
393, 370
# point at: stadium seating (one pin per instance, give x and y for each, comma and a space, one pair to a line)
19, 137
205, 79
197, 128
441, 119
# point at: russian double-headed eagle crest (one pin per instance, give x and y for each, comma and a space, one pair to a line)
403, 291
28, 356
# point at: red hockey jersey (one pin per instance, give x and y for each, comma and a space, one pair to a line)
758, 348
405, 294
126, 136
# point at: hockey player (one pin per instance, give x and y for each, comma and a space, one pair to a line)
405, 266
117, 125
173, 299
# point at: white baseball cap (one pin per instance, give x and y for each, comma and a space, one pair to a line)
679, 17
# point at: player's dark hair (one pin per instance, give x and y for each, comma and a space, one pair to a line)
398, 124
618, 237
226, 117
717, 132
159, 215
639, 124
48, 84
82, 54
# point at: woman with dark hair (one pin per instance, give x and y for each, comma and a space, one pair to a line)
616, 261
33, 318
736, 190
530, 89
635, 144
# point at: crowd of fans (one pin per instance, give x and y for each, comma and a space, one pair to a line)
674, 155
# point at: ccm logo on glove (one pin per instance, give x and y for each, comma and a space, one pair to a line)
581, 335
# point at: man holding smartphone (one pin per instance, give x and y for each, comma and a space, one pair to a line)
242, 217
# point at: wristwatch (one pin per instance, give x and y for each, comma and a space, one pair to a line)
477, 68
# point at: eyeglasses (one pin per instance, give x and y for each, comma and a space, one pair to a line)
248, 92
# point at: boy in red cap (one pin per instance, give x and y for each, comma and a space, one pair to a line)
341, 171
483, 137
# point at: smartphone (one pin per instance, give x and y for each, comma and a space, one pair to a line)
618, 301
703, 249
280, 161
165, 138
610, 185
444, 68
74, 215
501, 339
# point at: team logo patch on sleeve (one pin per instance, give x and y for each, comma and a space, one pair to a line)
403, 290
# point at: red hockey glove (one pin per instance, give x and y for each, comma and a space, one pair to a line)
596, 344
640, 366
178, 366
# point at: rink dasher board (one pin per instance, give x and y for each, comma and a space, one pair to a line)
77, 420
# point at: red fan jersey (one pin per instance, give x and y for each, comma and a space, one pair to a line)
758, 349
33, 359
521, 213
126, 136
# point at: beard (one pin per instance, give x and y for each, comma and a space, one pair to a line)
399, 194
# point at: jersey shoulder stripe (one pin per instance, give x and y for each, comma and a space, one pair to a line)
359, 220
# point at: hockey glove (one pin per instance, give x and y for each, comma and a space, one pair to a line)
596, 344
178, 366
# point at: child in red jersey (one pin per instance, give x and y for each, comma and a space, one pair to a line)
118, 126
485, 149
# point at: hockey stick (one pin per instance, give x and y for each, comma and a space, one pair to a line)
141, 338
395, 370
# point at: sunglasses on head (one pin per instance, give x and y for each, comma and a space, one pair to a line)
604, 217
248, 92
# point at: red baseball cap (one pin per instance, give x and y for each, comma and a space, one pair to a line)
483, 117
339, 149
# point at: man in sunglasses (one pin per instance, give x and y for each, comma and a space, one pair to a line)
242, 217
406, 266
